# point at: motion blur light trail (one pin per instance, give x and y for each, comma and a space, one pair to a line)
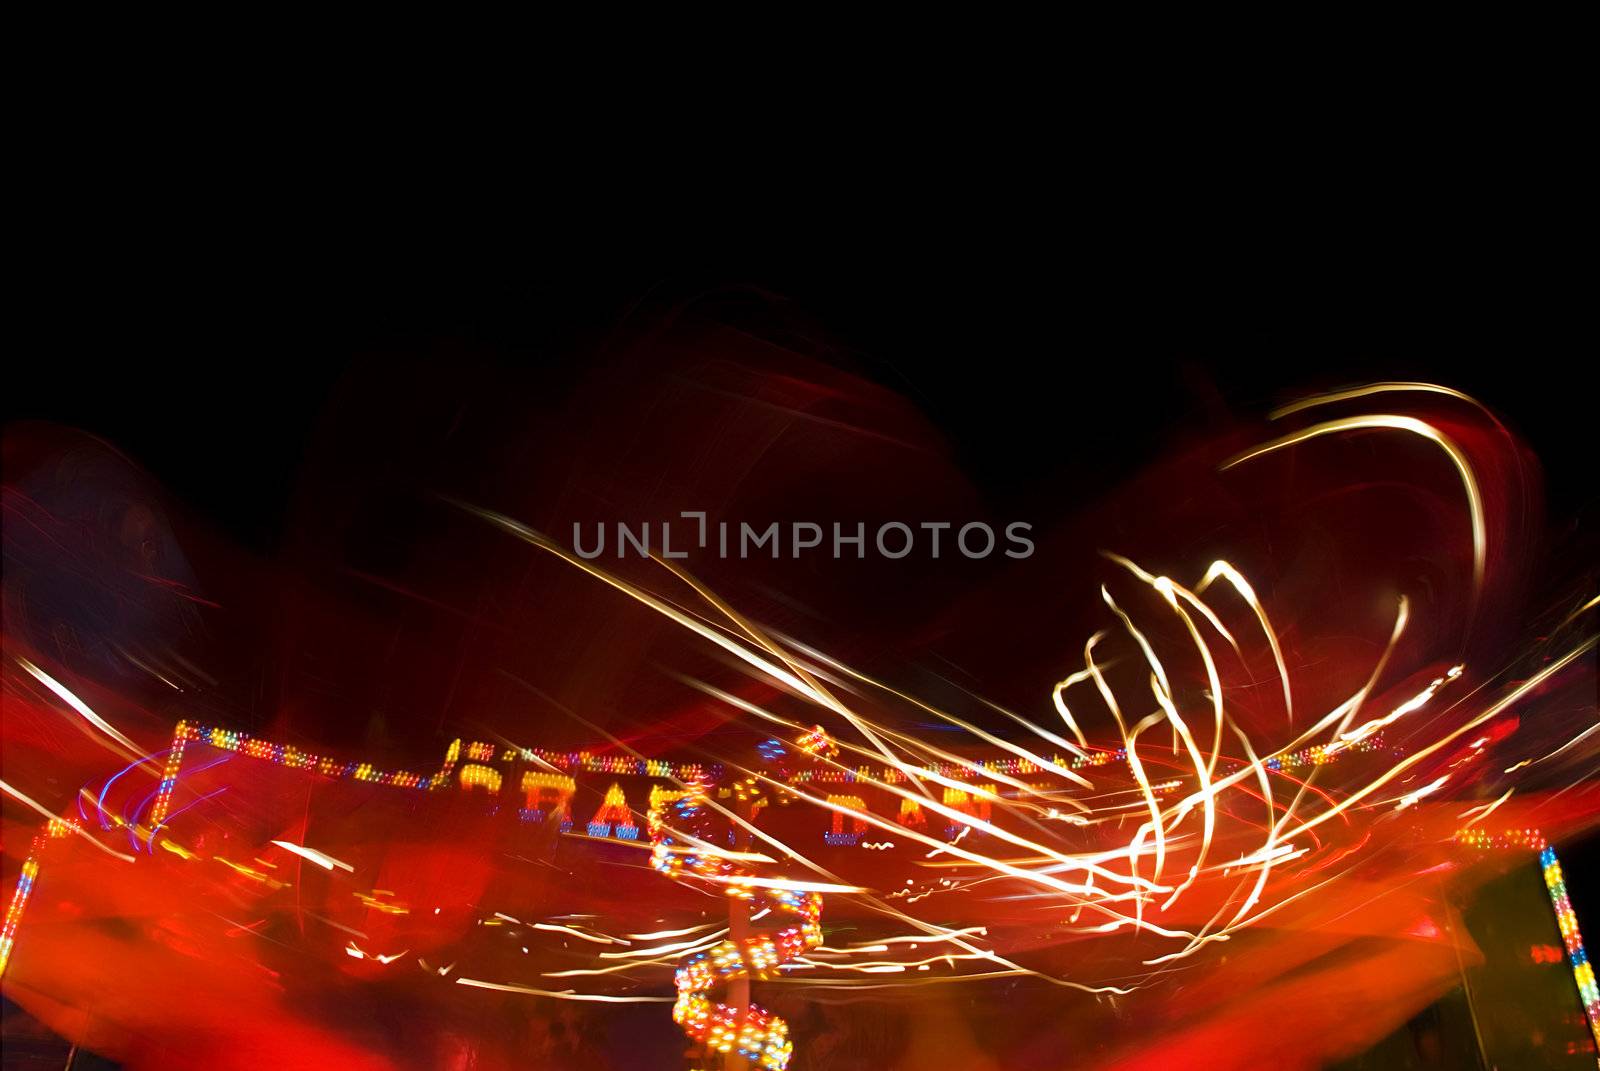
768, 656
1197, 828
1280, 826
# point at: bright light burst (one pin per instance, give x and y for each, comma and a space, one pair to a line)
1223, 771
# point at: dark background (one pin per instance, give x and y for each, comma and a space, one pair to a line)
210, 365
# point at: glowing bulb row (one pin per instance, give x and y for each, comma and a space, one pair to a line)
613, 820
1322, 754
1582, 970
587, 762
1510, 838
169, 777
285, 755
56, 827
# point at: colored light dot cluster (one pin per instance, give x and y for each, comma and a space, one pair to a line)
169, 777
1582, 970
614, 819
757, 1035
974, 803
1322, 754
56, 827
475, 776
1483, 840
817, 743
1013, 767
747, 790
754, 1033
547, 793
754, 957
911, 814
588, 762
286, 755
